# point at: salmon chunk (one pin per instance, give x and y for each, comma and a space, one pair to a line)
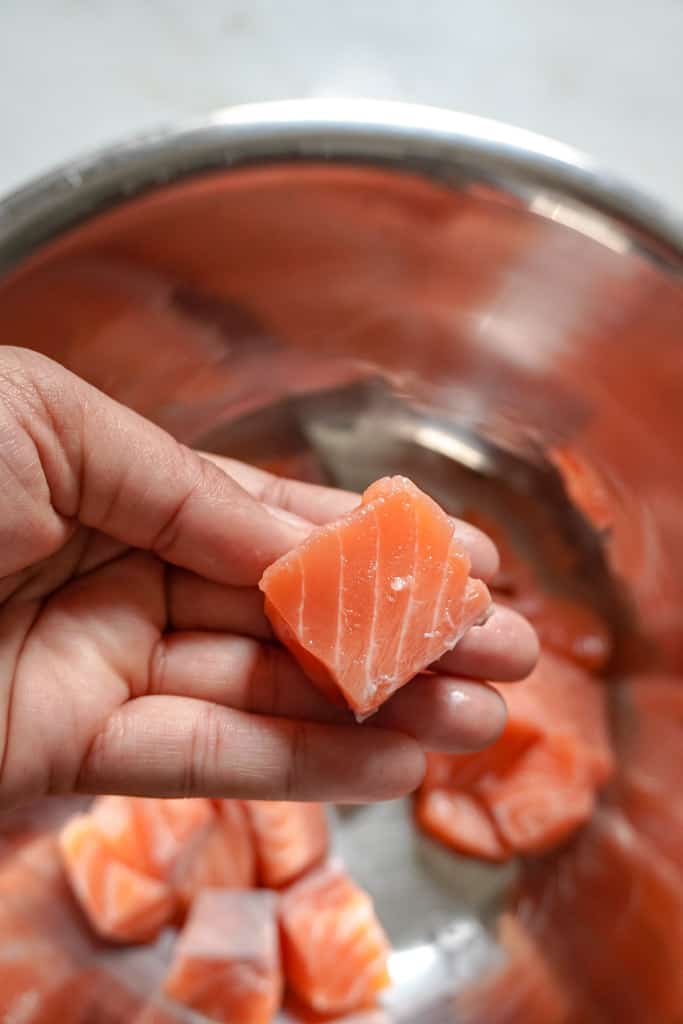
335, 951
368, 602
227, 959
289, 838
120, 903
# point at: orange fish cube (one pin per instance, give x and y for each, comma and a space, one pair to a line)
585, 486
91, 995
290, 838
32, 973
225, 857
542, 799
559, 698
152, 835
460, 821
562, 624
368, 602
335, 951
121, 904
227, 959
570, 629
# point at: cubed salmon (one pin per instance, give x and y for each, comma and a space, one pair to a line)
335, 951
227, 959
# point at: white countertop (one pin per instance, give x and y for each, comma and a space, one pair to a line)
604, 75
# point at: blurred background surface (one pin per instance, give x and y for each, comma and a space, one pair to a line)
603, 75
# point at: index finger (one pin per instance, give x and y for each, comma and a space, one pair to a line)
317, 504
321, 505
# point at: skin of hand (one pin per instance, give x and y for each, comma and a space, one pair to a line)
135, 656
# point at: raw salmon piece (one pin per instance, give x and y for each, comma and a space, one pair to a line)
368, 602
35, 899
460, 821
117, 820
236, 822
43, 939
535, 786
121, 904
335, 951
542, 799
32, 973
608, 912
563, 625
290, 838
584, 486
91, 996
462, 771
224, 859
169, 828
227, 960
569, 629
523, 990
35, 969
152, 836
559, 698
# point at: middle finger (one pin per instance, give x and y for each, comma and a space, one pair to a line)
442, 713
505, 648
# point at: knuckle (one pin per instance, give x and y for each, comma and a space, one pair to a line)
93, 767
194, 468
276, 492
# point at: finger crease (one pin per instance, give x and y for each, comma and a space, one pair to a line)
165, 540
296, 763
264, 681
203, 750
156, 670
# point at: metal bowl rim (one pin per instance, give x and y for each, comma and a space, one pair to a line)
400, 135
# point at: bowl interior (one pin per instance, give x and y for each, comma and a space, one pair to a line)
346, 321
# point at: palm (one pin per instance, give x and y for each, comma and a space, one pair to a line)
88, 650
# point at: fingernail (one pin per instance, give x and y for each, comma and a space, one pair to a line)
481, 714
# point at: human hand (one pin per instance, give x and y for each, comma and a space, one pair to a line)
135, 656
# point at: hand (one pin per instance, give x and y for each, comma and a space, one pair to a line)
134, 653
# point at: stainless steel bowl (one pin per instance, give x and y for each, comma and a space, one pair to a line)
389, 288
495, 278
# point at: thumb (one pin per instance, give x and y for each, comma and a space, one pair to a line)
110, 469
